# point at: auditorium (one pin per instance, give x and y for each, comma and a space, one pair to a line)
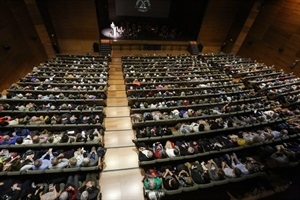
149, 99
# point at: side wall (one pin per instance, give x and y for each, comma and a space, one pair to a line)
274, 38
222, 23
20, 46
75, 23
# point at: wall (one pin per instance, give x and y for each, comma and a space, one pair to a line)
274, 38
75, 23
222, 21
20, 46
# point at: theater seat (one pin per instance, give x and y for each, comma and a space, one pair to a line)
221, 182
51, 171
207, 185
92, 168
72, 169
237, 179
189, 189
14, 173
172, 192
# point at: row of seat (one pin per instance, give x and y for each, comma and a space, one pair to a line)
56, 98
188, 87
272, 77
38, 112
51, 171
177, 81
56, 91
70, 83
96, 102
217, 152
48, 145
288, 82
66, 75
194, 105
80, 57
243, 93
195, 67
215, 183
276, 75
244, 105
94, 66
240, 68
176, 135
173, 120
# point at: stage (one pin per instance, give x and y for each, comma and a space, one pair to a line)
118, 44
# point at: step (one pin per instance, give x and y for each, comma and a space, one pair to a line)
116, 185
121, 138
115, 73
116, 82
116, 77
117, 123
118, 158
111, 111
113, 85
112, 94
120, 101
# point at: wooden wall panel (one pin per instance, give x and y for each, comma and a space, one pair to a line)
75, 46
74, 19
219, 17
24, 49
275, 35
40, 28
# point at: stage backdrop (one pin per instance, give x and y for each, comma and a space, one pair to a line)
158, 9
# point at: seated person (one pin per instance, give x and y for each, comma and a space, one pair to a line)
169, 179
91, 158
52, 193
215, 173
229, 171
183, 175
185, 148
88, 189
13, 193
71, 188
94, 135
41, 163
78, 157
284, 155
253, 165
198, 173
152, 180
236, 163
171, 150
59, 162
145, 153
158, 150
8, 140
28, 158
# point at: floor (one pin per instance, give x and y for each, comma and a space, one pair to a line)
121, 178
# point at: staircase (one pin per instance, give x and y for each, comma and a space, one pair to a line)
121, 161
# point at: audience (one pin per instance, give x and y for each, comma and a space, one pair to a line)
181, 98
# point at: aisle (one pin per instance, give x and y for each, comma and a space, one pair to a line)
121, 177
